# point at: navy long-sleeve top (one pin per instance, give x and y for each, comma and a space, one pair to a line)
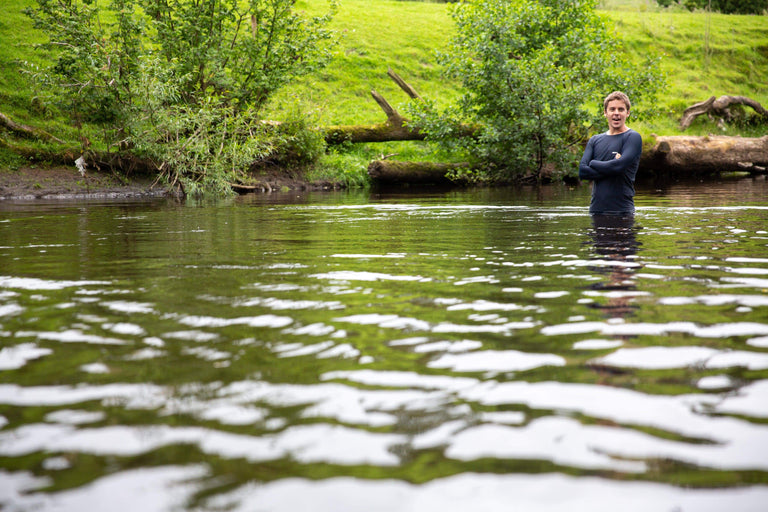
613, 187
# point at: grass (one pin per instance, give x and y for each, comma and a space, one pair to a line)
377, 35
16, 36
703, 55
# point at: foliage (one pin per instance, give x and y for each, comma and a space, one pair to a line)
372, 38
532, 71
298, 142
92, 71
9, 159
183, 81
202, 148
342, 166
238, 55
723, 6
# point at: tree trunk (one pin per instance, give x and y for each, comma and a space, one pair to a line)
391, 172
382, 132
686, 155
678, 156
29, 132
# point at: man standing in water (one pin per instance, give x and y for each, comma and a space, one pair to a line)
611, 159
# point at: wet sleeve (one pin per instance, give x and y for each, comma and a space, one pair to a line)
630, 154
585, 171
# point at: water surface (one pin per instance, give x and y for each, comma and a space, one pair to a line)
484, 350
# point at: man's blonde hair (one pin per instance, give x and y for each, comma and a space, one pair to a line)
617, 95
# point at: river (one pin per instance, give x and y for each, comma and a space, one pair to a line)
493, 349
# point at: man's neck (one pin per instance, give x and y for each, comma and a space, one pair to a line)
621, 130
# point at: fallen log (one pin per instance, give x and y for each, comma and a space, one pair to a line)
393, 172
382, 132
721, 108
394, 129
29, 132
679, 156
706, 155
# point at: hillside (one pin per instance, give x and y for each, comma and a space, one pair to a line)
702, 55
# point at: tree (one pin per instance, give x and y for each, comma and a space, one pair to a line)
533, 72
723, 6
183, 82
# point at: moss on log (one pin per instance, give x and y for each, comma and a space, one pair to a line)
418, 173
382, 132
29, 132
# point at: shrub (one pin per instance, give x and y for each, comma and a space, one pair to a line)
534, 72
183, 81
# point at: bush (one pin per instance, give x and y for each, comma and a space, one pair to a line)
183, 81
534, 70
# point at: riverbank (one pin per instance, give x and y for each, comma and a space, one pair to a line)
60, 182
67, 183
721, 64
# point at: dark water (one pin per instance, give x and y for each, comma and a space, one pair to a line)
464, 350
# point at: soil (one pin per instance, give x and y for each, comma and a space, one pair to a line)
67, 183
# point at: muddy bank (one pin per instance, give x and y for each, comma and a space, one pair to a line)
62, 182
67, 183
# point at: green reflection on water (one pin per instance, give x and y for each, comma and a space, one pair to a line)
282, 292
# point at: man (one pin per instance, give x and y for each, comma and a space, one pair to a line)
611, 159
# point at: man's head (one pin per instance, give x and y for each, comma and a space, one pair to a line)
616, 110
617, 95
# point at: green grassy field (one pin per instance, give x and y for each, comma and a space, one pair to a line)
16, 39
703, 55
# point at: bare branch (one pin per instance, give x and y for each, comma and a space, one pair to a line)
392, 116
719, 107
409, 90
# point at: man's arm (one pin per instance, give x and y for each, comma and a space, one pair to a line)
630, 152
585, 171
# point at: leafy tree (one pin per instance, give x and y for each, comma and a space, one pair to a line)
94, 62
723, 6
533, 71
236, 51
183, 82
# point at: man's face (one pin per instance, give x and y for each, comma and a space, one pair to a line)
616, 113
